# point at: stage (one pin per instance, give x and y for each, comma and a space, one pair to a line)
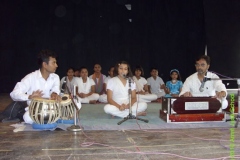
130, 140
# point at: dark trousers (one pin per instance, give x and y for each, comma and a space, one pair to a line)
14, 110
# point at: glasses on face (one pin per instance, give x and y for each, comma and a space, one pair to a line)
198, 65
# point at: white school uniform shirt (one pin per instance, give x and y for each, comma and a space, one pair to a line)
70, 84
140, 83
155, 84
192, 84
119, 91
104, 77
106, 81
33, 82
85, 87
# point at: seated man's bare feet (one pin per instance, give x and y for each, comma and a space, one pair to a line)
144, 113
92, 102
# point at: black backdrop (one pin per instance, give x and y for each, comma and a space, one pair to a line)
165, 34
223, 35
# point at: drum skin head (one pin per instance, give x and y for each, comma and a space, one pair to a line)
64, 98
43, 100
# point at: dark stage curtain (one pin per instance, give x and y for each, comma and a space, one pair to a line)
165, 34
222, 22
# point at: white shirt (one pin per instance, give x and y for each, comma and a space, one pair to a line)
85, 87
155, 84
70, 84
106, 81
140, 83
104, 77
33, 82
192, 84
119, 91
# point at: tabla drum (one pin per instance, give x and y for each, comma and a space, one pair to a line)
43, 112
67, 108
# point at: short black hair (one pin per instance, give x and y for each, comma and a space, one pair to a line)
153, 68
83, 67
76, 69
205, 57
44, 56
110, 68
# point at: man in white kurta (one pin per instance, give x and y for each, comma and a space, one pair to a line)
193, 84
42, 83
209, 88
121, 96
34, 82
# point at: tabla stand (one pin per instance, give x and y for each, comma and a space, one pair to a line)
130, 116
74, 127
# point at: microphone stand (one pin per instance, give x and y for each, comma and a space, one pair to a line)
74, 127
130, 116
238, 82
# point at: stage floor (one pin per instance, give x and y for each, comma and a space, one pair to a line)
193, 143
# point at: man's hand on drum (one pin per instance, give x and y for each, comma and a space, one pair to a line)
36, 94
187, 94
55, 96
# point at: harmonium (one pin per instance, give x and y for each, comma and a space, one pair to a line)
191, 109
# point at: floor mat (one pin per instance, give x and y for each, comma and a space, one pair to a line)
93, 117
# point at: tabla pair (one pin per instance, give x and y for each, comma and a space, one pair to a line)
45, 111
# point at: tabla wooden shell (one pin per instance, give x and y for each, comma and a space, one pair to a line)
44, 111
67, 108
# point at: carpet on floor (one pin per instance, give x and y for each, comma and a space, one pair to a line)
93, 117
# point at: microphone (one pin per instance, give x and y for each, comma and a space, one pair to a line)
209, 79
205, 79
125, 76
130, 79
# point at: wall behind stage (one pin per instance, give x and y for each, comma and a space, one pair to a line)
165, 34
